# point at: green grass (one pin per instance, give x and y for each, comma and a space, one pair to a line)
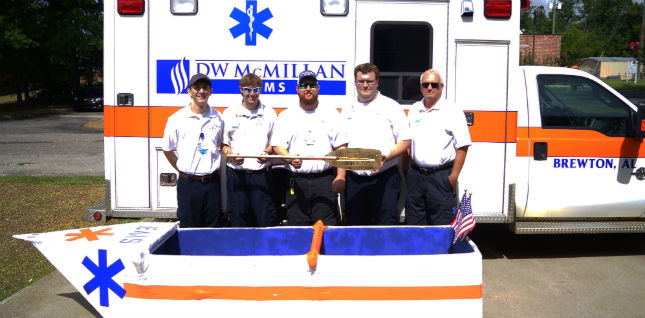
35, 205
620, 84
52, 180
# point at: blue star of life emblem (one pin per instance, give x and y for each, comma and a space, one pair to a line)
103, 278
251, 22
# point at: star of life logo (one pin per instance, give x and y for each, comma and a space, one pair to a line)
173, 76
251, 23
103, 277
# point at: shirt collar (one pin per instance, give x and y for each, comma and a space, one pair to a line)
422, 107
208, 114
259, 111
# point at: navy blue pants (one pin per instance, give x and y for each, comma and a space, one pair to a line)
250, 198
312, 199
199, 204
430, 198
280, 185
373, 200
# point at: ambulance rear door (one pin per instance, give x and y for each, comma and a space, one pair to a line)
582, 159
403, 39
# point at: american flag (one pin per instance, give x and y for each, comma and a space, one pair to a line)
464, 221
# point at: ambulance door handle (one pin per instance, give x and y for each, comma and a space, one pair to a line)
540, 151
125, 99
470, 118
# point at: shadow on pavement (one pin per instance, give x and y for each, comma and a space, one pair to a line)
496, 241
83, 302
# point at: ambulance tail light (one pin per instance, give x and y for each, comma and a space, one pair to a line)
525, 4
497, 9
131, 7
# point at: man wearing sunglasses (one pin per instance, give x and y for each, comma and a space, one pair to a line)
310, 130
440, 140
191, 143
248, 127
378, 122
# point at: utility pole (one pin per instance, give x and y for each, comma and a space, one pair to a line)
554, 6
642, 39
533, 51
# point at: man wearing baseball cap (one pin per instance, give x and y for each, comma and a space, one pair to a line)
191, 143
310, 130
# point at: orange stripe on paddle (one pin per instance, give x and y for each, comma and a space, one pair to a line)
302, 293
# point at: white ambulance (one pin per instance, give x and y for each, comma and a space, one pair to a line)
554, 150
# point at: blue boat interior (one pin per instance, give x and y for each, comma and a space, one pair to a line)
297, 241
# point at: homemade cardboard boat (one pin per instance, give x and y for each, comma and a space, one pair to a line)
161, 270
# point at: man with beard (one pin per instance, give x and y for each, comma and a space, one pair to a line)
310, 130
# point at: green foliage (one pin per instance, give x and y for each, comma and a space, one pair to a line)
534, 18
49, 45
588, 27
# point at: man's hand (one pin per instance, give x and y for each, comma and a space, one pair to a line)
453, 183
263, 160
237, 161
383, 159
338, 185
296, 163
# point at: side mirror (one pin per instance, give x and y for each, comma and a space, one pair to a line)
639, 122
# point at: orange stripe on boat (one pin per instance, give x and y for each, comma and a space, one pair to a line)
578, 143
302, 293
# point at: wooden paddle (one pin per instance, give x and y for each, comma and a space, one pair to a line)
345, 158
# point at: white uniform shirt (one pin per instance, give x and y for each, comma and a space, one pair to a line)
380, 124
437, 133
248, 132
309, 133
196, 153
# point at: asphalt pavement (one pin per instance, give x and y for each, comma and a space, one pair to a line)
51, 144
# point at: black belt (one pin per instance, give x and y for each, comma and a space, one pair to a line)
249, 171
313, 175
203, 179
429, 170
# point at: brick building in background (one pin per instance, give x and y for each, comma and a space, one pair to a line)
547, 49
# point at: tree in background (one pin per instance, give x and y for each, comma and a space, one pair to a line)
50, 46
589, 27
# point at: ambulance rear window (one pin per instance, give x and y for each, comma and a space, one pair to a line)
402, 51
